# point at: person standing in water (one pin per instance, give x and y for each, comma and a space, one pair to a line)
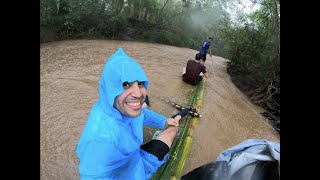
206, 46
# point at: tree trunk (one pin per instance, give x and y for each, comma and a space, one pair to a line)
145, 15
276, 23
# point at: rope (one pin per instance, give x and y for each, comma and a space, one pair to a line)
193, 112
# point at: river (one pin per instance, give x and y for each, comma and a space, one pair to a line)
70, 72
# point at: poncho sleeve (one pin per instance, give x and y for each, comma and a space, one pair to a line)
153, 119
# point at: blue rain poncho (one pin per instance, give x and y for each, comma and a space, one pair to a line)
109, 147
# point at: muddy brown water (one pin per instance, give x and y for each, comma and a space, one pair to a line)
70, 73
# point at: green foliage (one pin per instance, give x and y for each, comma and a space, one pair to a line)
252, 48
166, 37
250, 51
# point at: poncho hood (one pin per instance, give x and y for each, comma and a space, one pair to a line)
118, 69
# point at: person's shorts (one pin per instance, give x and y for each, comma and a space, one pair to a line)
203, 57
184, 78
199, 79
157, 148
194, 84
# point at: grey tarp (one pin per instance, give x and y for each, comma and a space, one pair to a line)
253, 159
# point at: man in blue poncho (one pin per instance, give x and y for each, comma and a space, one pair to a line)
110, 146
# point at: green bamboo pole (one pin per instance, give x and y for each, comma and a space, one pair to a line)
188, 140
169, 167
173, 168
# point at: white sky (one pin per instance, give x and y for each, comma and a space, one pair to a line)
246, 6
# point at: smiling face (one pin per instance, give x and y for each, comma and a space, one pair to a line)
130, 101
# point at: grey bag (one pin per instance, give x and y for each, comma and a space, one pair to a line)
253, 159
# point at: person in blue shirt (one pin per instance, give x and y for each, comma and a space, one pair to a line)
110, 146
204, 50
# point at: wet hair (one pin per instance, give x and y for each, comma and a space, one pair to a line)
198, 56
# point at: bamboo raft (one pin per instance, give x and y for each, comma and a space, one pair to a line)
180, 149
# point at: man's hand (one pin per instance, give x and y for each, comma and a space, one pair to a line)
173, 121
